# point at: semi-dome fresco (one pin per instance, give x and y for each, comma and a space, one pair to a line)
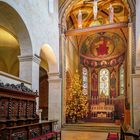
102, 49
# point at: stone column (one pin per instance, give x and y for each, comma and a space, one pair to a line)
129, 60
135, 79
63, 55
137, 37
29, 71
55, 97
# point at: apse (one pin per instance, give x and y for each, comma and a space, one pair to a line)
97, 51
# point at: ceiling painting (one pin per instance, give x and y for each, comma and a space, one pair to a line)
120, 7
103, 49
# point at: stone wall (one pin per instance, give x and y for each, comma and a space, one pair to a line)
33, 25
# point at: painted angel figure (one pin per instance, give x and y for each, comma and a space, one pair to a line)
111, 14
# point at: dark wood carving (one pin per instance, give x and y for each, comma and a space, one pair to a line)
19, 87
17, 105
27, 132
18, 118
129, 133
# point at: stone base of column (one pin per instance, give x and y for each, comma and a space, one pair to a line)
55, 97
135, 101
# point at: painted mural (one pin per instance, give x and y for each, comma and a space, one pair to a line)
102, 49
103, 55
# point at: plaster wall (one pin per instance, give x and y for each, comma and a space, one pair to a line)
41, 25
34, 26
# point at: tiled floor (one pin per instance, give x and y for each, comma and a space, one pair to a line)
79, 135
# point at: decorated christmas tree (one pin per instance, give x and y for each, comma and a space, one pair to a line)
76, 105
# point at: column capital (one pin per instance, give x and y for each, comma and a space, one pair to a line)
54, 77
137, 69
34, 58
130, 24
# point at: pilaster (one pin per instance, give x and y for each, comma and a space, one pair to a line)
135, 78
55, 97
29, 70
135, 100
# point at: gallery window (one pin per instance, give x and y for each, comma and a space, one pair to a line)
121, 80
85, 80
104, 82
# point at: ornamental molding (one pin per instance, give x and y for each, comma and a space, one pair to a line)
54, 77
18, 87
33, 58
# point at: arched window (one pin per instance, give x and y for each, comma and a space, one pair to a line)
121, 80
85, 80
104, 82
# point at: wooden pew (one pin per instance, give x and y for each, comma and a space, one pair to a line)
27, 132
128, 131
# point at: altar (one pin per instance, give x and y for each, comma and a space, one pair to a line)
102, 110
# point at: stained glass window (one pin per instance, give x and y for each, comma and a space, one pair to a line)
104, 82
121, 80
85, 80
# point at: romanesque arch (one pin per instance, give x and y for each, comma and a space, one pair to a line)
11, 20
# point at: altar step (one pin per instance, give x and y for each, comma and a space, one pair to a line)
91, 127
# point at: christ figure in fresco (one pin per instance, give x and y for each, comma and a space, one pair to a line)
102, 47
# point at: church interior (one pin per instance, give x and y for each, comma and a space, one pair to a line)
70, 70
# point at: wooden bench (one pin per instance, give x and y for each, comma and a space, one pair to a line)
54, 135
30, 131
18, 118
45, 136
126, 130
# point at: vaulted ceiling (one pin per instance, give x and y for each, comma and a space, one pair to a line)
9, 50
122, 10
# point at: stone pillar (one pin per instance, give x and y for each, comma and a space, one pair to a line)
29, 71
137, 36
135, 79
39, 113
64, 70
135, 102
55, 96
129, 60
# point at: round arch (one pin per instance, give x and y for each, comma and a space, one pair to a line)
48, 58
12, 21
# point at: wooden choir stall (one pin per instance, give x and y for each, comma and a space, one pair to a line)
18, 118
